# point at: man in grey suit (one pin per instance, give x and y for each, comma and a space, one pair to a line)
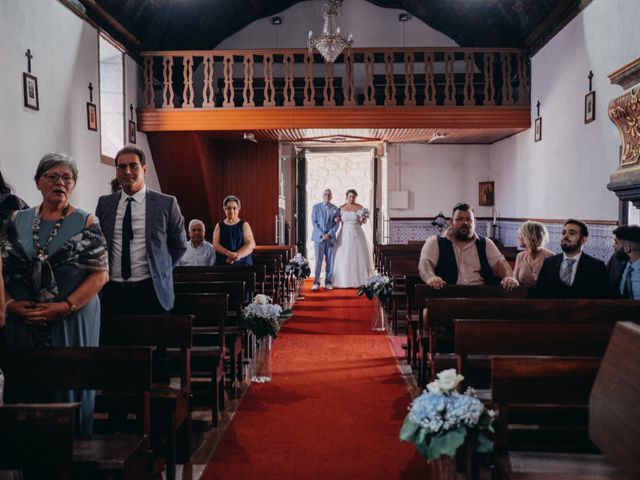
325, 227
146, 239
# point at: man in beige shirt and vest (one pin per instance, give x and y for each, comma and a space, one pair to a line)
461, 257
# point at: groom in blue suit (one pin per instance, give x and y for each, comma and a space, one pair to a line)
323, 218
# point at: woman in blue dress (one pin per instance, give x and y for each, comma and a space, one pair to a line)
232, 237
55, 262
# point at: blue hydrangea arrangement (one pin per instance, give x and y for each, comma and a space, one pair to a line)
298, 267
441, 419
263, 317
376, 286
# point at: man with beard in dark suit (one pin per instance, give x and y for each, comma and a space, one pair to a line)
573, 273
623, 267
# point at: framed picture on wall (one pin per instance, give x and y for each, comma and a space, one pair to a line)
537, 133
92, 117
590, 107
132, 131
30, 86
486, 194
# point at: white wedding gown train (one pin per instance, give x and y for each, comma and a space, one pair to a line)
353, 262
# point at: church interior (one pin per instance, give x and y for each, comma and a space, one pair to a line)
506, 111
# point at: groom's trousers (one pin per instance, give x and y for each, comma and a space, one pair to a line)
324, 250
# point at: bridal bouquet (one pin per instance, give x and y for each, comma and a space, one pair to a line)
298, 267
441, 419
363, 214
376, 286
263, 317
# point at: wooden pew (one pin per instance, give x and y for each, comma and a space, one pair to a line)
415, 325
38, 439
262, 257
380, 252
121, 370
259, 270
437, 332
552, 337
249, 279
551, 383
237, 341
207, 354
614, 416
170, 405
404, 276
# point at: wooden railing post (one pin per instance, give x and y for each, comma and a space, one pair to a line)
507, 88
489, 88
247, 91
449, 81
389, 81
167, 82
429, 79
187, 73
309, 89
370, 89
208, 95
149, 94
289, 90
409, 82
269, 89
469, 88
349, 88
228, 92
328, 93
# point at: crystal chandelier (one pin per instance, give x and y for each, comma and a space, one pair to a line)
330, 44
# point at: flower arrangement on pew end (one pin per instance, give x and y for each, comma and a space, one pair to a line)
378, 289
298, 267
376, 286
263, 317
441, 419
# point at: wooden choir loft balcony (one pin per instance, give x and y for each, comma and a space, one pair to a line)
410, 88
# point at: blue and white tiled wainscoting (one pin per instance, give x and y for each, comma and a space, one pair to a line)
600, 243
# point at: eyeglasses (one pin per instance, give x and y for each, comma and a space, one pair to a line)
56, 177
134, 166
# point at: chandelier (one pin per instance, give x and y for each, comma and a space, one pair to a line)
330, 44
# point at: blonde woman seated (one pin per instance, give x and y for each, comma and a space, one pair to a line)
532, 236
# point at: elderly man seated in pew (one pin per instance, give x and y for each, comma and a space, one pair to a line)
200, 253
572, 273
462, 257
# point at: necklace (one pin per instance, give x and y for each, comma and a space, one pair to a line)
41, 251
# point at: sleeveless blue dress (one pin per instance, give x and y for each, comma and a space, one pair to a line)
232, 238
78, 329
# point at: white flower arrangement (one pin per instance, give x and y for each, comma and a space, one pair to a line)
376, 286
363, 214
441, 419
263, 317
298, 267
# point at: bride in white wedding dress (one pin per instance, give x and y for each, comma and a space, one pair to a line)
353, 262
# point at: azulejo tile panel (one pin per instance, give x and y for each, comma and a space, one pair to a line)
599, 244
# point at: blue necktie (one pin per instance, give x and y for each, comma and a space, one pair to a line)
568, 271
127, 236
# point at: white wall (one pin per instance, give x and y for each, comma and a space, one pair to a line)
65, 50
566, 173
438, 176
370, 25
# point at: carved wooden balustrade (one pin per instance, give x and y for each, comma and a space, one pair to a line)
410, 77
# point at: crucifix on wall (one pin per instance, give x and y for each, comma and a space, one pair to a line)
30, 85
590, 102
132, 125
537, 132
92, 111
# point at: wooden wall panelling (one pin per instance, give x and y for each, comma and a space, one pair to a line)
177, 157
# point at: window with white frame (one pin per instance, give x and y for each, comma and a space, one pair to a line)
112, 118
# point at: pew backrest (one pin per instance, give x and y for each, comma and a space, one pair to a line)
37, 436
614, 415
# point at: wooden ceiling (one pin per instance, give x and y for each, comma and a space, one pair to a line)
373, 136
202, 24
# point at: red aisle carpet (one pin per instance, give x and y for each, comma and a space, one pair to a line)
333, 409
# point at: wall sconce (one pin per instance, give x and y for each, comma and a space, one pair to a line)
403, 17
440, 222
276, 20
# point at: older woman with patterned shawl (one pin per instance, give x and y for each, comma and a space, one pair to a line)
55, 263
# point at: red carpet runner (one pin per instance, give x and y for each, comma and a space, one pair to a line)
334, 408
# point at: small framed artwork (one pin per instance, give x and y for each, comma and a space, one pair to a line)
486, 194
537, 132
590, 107
92, 117
132, 131
30, 85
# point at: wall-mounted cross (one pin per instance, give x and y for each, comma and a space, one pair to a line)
538, 107
90, 92
590, 77
131, 110
29, 57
